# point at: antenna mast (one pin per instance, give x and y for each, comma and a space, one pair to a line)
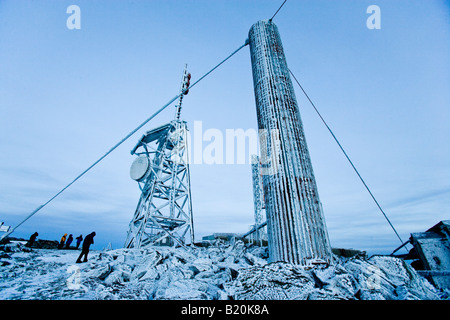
184, 90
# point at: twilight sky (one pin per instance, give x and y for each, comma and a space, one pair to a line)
67, 96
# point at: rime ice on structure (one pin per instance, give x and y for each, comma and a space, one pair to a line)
163, 215
297, 231
258, 198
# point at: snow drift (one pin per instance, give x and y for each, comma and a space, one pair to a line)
220, 272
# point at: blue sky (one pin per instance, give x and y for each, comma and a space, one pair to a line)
67, 96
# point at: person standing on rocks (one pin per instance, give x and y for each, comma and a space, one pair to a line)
86, 244
79, 239
31, 241
63, 240
69, 241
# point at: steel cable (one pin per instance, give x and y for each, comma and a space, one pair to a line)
348, 158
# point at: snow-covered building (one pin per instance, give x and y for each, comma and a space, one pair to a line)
432, 248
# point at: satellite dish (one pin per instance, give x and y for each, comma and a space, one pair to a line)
139, 168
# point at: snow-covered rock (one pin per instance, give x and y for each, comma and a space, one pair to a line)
379, 278
223, 271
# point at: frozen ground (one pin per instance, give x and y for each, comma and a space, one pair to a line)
224, 271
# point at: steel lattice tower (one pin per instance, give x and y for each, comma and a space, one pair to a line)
297, 231
163, 215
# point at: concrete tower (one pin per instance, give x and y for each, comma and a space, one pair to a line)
296, 225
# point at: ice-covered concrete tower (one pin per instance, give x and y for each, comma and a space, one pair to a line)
295, 222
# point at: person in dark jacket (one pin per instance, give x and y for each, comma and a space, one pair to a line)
31, 241
69, 241
86, 244
79, 239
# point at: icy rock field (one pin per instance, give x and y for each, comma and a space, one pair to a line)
223, 271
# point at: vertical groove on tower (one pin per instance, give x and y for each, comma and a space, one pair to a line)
295, 221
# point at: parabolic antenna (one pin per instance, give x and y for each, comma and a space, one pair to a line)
139, 168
